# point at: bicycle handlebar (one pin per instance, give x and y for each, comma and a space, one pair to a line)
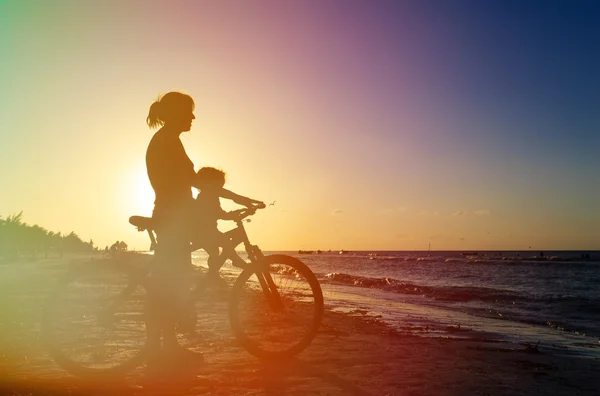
246, 212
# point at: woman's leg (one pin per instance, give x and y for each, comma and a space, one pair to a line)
168, 279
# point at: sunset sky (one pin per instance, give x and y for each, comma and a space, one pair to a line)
374, 125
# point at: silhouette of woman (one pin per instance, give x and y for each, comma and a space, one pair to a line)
172, 177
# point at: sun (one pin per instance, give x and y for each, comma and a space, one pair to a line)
140, 195
144, 196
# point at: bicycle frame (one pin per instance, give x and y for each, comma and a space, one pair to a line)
238, 235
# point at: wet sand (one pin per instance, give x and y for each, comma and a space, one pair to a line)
352, 354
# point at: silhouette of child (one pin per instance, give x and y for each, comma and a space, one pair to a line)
207, 210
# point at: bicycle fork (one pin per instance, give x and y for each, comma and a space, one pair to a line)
257, 258
269, 288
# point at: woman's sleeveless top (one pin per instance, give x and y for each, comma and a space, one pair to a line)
171, 174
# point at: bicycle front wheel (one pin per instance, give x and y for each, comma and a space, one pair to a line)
281, 321
94, 323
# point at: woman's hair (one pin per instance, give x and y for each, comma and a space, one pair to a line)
168, 106
209, 175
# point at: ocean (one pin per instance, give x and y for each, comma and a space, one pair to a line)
525, 297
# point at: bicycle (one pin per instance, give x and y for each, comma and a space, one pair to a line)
272, 297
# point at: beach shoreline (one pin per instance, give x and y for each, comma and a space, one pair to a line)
353, 353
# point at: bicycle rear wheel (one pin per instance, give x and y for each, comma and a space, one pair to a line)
266, 328
94, 323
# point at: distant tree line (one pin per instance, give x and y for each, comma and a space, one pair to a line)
18, 238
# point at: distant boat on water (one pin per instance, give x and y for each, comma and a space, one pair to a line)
343, 251
306, 251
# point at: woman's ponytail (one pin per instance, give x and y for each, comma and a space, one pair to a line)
154, 119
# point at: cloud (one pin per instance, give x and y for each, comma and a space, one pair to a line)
336, 212
482, 212
459, 213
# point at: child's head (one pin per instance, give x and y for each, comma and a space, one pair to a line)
208, 176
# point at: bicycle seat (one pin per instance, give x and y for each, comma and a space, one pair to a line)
142, 223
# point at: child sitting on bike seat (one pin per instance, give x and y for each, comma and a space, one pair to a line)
207, 210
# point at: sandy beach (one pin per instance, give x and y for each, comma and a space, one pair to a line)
352, 354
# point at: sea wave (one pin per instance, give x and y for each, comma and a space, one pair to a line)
463, 293
448, 293
565, 312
